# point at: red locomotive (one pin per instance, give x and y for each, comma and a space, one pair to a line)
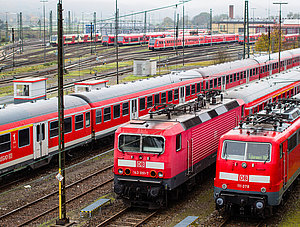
133, 39
95, 114
157, 154
259, 161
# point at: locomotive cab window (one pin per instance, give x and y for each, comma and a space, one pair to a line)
5, 143
246, 151
23, 137
138, 143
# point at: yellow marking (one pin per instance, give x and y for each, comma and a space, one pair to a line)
15, 129
60, 197
282, 92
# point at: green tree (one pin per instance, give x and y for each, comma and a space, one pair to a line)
201, 19
167, 22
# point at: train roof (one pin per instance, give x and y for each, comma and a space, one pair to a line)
259, 88
221, 69
187, 119
19, 112
129, 88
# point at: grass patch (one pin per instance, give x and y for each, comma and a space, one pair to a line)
27, 69
5, 91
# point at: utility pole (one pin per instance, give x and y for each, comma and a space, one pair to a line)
61, 136
145, 27
116, 41
18, 26
6, 29
183, 42
210, 25
44, 15
279, 40
246, 30
50, 24
95, 31
21, 29
177, 32
91, 38
13, 41
69, 22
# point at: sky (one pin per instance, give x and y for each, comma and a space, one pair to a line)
106, 8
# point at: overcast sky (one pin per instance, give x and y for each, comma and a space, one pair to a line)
107, 7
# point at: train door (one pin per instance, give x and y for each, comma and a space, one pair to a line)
247, 76
40, 137
182, 95
134, 110
223, 83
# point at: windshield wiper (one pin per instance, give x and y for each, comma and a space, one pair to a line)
267, 158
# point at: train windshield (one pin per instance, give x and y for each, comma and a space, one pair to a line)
53, 38
246, 151
152, 41
138, 143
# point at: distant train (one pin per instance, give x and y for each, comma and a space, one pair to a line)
190, 41
254, 37
29, 131
132, 39
259, 161
76, 39
156, 154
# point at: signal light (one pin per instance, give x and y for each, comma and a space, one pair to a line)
153, 173
127, 171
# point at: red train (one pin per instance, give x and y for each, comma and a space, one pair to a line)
155, 155
95, 114
132, 39
259, 161
190, 41
75, 39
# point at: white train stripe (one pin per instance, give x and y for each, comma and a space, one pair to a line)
155, 165
126, 163
259, 179
229, 176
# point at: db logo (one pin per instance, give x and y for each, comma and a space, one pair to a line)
243, 178
141, 164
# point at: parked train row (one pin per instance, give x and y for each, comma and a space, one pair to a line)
155, 155
161, 40
190, 41
29, 131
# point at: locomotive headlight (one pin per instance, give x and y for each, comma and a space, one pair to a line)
220, 201
120, 171
259, 205
224, 186
263, 190
160, 174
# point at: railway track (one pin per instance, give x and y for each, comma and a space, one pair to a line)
33, 211
128, 217
229, 221
191, 55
